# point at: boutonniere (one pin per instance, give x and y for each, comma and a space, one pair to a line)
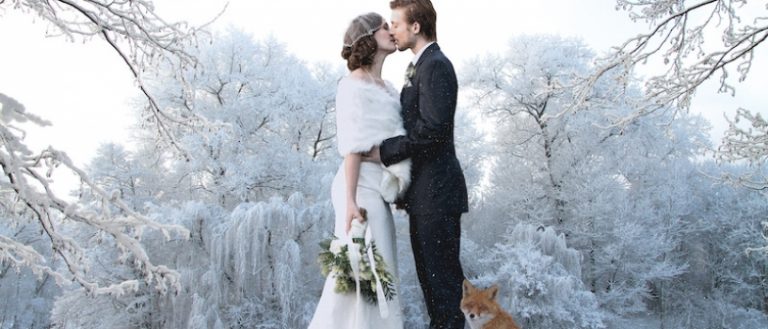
409, 74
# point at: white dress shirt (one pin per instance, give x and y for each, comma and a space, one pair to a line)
416, 58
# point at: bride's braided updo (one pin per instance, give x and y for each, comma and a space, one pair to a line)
359, 44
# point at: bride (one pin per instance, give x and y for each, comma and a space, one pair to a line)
367, 112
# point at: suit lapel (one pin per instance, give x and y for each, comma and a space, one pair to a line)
407, 89
409, 96
427, 53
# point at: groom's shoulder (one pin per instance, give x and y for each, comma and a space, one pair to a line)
437, 54
438, 60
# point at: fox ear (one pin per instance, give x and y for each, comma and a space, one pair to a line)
493, 291
467, 288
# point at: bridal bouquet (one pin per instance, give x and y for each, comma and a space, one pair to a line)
336, 259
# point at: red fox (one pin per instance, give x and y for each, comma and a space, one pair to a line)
481, 309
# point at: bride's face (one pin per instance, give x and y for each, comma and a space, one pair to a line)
384, 40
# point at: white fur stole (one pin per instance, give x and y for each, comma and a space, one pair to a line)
367, 114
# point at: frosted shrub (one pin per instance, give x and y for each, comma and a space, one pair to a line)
540, 280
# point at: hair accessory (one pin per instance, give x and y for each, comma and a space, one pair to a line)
363, 35
361, 27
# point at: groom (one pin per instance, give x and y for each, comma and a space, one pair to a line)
437, 195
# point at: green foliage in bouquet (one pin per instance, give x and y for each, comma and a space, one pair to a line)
338, 266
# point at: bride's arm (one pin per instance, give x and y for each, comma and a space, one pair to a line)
352, 174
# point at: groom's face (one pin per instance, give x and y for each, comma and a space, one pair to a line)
403, 32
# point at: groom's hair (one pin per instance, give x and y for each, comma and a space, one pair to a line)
419, 11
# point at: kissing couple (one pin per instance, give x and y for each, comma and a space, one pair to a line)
398, 149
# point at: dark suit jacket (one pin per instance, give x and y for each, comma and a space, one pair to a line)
429, 105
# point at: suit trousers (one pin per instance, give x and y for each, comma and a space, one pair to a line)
435, 242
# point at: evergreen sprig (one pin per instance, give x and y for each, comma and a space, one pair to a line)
338, 266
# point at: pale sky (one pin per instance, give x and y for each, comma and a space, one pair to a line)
85, 90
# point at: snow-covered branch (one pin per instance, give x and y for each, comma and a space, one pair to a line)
684, 34
763, 249
688, 43
747, 140
748, 143
26, 188
133, 29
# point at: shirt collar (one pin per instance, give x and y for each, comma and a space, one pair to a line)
421, 52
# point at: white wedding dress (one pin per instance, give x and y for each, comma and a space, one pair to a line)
366, 114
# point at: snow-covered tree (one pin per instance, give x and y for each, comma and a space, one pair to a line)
723, 286
256, 119
251, 185
525, 91
577, 172
135, 176
32, 295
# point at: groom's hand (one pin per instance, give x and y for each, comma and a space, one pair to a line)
373, 155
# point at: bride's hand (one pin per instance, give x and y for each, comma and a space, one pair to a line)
353, 211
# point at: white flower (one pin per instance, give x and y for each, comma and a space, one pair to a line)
336, 246
340, 266
409, 72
